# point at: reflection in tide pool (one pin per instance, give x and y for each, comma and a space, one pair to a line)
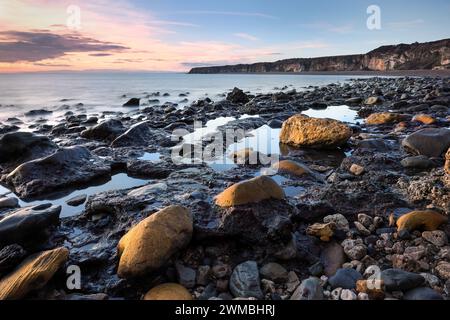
117, 182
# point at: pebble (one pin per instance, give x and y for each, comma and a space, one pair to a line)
348, 295
339, 220
345, 278
437, 237
354, 249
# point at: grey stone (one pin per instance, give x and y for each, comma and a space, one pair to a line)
244, 281
430, 142
274, 271
400, 280
345, 278
309, 289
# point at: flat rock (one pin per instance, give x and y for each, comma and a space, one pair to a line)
430, 142
244, 281
142, 135
66, 168
24, 223
32, 274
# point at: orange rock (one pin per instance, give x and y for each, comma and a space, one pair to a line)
373, 288
303, 131
383, 118
149, 244
32, 274
168, 291
447, 162
250, 191
424, 118
423, 220
291, 167
322, 230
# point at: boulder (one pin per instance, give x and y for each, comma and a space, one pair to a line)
25, 223
168, 291
383, 118
237, 96
244, 281
250, 191
152, 242
107, 130
400, 280
19, 146
423, 220
66, 168
303, 131
32, 274
430, 142
142, 135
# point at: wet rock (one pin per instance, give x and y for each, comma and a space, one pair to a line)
38, 112
422, 294
244, 281
430, 142
17, 146
147, 169
418, 162
142, 135
345, 278
32, 274
76, 201
8, 202
148, 245
66, 168
133, 102
437, 237
107, 130
424, 220
292, 168
400, 280
238, 96
10, 257
332, 258
168, 291
309, 289
26, 223
250, 191
274, 271
383, 118
443, 270
303, 131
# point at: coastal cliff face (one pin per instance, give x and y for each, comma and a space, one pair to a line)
417, 56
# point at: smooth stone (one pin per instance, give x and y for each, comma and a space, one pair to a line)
430, 142
332, 258
168, 291
274, 271
186, 275
419, 162
133, 102
400, 280
426, 220
9, 203
345, 278
245, 282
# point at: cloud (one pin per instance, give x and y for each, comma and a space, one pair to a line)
36, 46
325, 26
173, 23
229, 13
246, 36
100, 54
405, 24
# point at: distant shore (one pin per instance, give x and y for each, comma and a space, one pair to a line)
395, 73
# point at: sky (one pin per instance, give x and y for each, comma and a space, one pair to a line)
176, 35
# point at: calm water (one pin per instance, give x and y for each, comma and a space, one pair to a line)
105, 92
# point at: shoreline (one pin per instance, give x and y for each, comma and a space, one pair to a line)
396, 73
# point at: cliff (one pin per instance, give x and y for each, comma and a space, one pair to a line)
417, 56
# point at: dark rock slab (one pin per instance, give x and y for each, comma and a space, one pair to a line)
400, 280
107, 130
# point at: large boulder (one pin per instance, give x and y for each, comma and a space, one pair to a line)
142, 135
32, 274
250, 191
303, 131
168, 291
26, 223
153, 241
430, 142
107, 130
66, 168
18, 146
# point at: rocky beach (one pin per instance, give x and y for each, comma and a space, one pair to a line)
351, 210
